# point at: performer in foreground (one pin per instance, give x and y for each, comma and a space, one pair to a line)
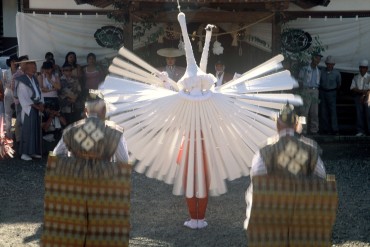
87, 184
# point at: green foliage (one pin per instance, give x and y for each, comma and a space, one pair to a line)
300, 57
139, 29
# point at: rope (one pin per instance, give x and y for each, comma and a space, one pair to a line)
218, 34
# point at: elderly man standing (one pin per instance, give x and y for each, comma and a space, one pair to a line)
32, 103
361, 88
330, 82
87, 184
309, 82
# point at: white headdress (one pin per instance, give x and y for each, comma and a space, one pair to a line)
195, 81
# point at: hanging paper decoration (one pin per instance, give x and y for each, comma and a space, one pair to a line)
181, 45
241, 33
234, 35
217, 48
160, 38
240, 36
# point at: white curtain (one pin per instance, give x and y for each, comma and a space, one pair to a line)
347, 40
38, 34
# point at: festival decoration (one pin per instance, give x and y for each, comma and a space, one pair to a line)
217, 48
5, 143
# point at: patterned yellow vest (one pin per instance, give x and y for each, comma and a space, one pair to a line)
290, 156
87, 196
92, 138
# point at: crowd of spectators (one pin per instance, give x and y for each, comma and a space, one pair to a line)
319, 88
57, 93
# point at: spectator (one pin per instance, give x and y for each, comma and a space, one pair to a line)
53, 122
69, 99
56, 71
174, 72
77, 73
330, 82
97, 170
31, 101
17, 106
49, 55
8, 93
309, 81
290, 155
49, 84
2, 90
361, 87
71, 59
93, 74
220, 74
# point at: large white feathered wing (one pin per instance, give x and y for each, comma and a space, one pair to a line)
165, 130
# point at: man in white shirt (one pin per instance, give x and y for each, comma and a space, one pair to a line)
361, 87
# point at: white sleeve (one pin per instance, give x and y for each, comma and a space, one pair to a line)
320, 169
121, 154
258, 166
60, 148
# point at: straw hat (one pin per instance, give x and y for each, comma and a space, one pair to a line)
170, 52
29, 61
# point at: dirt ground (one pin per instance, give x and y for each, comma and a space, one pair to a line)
157, 216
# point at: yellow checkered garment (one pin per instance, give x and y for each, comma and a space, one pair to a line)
287, 211
87, 199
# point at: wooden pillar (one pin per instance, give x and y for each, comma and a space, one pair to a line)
276, 33
128, 39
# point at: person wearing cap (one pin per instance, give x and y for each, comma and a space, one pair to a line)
32, 103
89, 177
309, 82
361, 88
220, 74
171, 54
330, 82
8, 93
288, 154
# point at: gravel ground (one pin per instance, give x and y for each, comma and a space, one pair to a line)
157, 216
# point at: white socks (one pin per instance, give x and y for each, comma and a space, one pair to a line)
195, 224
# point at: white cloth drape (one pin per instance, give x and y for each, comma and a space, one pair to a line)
346, 40
38, 34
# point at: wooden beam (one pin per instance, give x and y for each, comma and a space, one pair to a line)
276, 34
204, 16
291, 15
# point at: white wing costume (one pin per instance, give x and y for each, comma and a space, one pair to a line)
197, 136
